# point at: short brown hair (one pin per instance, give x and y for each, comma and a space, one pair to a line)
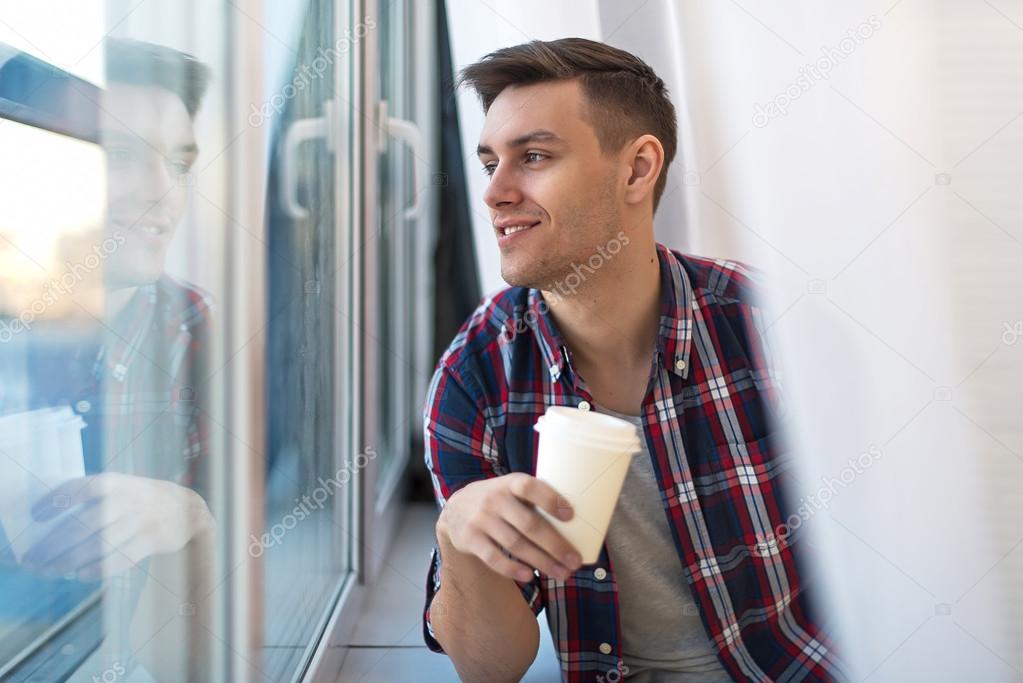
133, 62
625, 98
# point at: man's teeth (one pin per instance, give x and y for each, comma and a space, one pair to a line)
516, 228
149, 229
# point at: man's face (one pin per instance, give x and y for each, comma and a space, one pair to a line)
150, 146
557, 182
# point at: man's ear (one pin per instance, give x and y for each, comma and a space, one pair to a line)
645, 157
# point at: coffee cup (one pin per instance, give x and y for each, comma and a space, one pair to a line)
585, 457
39, 451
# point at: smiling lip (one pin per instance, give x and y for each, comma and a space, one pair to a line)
506, 230
150, 228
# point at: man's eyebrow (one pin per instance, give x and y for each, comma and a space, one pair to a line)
539, 135
114, 137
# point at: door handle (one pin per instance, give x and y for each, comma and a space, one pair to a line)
409, 133
299, 132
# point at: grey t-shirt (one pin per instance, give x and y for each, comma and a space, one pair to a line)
663, 639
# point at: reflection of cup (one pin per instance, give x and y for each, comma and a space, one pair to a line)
585, 457
39, 450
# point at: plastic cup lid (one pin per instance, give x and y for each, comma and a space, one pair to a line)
589, 426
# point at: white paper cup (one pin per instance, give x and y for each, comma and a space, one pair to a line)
585, 457
39, 450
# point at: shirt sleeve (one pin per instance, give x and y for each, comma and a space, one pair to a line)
459, 449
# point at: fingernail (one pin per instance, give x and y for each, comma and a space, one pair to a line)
573, 560
561, 573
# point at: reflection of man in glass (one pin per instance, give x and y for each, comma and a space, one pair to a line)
145, 390
138, 382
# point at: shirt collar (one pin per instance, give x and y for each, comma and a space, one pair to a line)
165, 308
676, 328
125, 334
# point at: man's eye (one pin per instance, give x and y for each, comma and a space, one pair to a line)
118, 155
179, 166
488, 169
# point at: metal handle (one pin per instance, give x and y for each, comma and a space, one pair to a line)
299, 132
409, 133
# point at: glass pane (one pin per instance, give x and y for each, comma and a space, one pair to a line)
395, 249
304, 548
118, 341
109, 375
51, 303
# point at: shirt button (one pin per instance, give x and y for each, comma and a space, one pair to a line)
599, 574
680, 364
584, 405
83, 406
605, 648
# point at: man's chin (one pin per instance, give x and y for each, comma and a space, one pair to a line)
515, 277
138, 275
529, 281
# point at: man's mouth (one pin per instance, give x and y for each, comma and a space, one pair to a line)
150, 229
155, 229
512, 228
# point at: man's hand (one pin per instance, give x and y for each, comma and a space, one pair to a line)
123, 520
485, 516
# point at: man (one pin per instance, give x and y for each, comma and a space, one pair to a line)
139, 393
691, 583
136, 378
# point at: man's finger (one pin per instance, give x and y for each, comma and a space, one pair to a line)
530, 524
530, 489
114, 562
69, 494
491, 554
68, 533
91, 521
105, 543
526, 551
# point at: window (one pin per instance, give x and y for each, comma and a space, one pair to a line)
193, 388
311, 461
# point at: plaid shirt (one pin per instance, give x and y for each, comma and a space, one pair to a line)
708, 426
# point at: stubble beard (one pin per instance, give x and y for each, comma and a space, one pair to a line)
574, 245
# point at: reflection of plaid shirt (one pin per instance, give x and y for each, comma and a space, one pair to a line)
137, 383
152, 366
139, 386
708, 418
151, 369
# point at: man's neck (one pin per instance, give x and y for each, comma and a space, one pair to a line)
116, 298
614, 316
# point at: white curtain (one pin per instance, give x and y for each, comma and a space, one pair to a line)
867, 157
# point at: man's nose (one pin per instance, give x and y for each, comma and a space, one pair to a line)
155, 178
503, 188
